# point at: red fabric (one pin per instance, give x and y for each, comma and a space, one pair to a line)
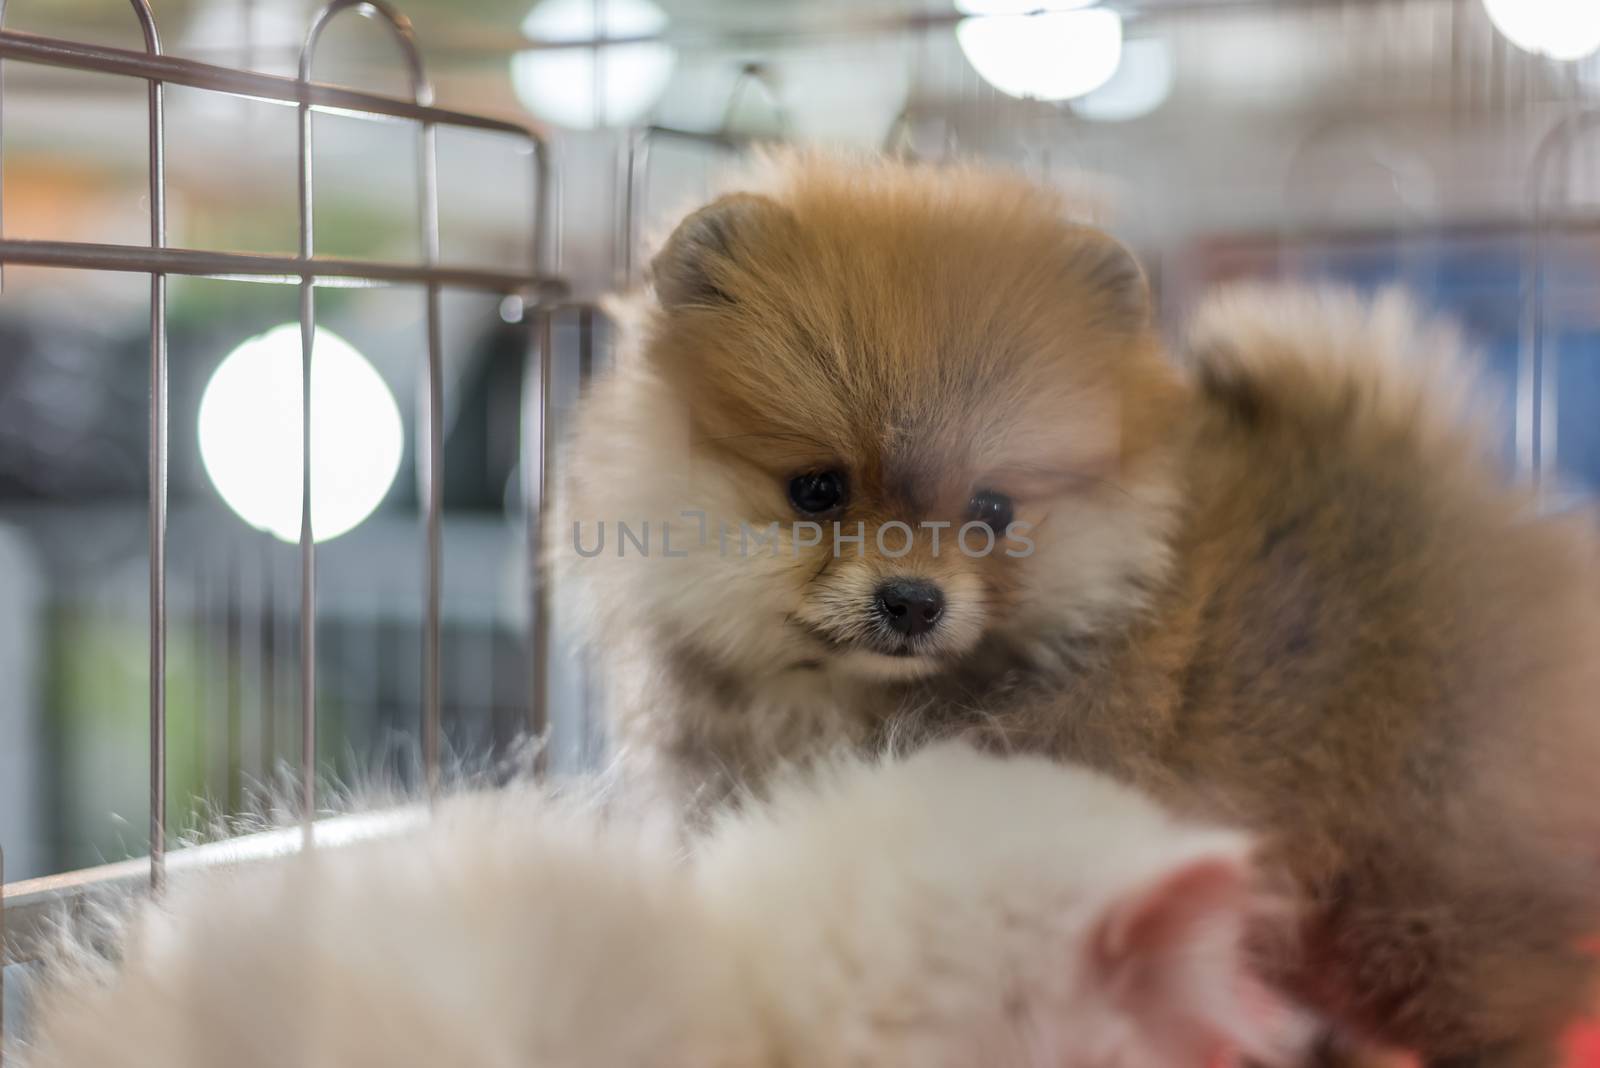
1583, 1046
1583, 1049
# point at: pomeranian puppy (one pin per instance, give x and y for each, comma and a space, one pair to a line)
950, 910
898, 451
900, 915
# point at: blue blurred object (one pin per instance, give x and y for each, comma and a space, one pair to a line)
1474, 276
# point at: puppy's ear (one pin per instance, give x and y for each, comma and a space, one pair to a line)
1201, 901
1109, 275
707, 250
1170, 952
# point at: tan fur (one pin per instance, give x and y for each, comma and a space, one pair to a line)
1375, 649
858, 333
1284, 584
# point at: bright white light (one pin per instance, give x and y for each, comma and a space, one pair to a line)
1053, 56
1142, 83
1561, 29
1018, 7
250, 434
561, 84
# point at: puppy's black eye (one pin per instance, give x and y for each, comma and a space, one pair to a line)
991, 508
817, 492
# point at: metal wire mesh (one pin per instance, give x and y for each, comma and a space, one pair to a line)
309, 272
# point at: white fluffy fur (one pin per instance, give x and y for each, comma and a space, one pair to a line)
889, 915
507, 932
948, 911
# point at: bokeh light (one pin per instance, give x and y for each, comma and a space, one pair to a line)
251, 427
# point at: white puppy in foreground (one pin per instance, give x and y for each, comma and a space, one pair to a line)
947, 909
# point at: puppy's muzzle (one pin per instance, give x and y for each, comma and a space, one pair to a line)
909, 607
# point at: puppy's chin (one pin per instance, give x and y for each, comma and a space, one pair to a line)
864, 663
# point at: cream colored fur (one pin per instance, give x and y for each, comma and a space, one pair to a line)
896, 915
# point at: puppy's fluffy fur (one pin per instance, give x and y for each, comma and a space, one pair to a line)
950, 910
927, 332
1281, 579
892, 915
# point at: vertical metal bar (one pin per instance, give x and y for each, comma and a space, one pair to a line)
546, 206
597, 69
1530, 371
1528, 345
199, 613
201, 644
638, 183
422, 92
621, 195
535, 459
585, 344
1536, 418
158, 463
308, 558
233, 625
621, 187
431, 719
1547, 425
269, 663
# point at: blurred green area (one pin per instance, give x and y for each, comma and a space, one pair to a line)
98, 694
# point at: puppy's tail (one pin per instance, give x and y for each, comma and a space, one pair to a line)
1328, 362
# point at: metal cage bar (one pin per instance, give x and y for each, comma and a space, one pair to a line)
162, 69
157, 178
174, 70
1537, 367
329, 272
534, 463
399, 28
37, 903
536, 285
634, 182
633, 178
157, 148
305, 204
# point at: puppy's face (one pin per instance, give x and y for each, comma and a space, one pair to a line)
922, 411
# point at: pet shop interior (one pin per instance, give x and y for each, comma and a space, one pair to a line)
190, 674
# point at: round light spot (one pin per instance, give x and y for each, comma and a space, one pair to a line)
250, 434
1054, 55
1561, 29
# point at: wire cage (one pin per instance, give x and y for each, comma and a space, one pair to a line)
535, 290
1398, 141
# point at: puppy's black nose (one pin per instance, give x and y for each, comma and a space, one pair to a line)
910, 607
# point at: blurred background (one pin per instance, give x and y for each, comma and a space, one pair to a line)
1437, 144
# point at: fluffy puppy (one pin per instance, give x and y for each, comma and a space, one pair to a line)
896, 915
950, 910
1281, 579
856, 348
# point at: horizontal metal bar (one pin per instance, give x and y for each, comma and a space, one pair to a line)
55, 52
34, 905
264, 267
725, 140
